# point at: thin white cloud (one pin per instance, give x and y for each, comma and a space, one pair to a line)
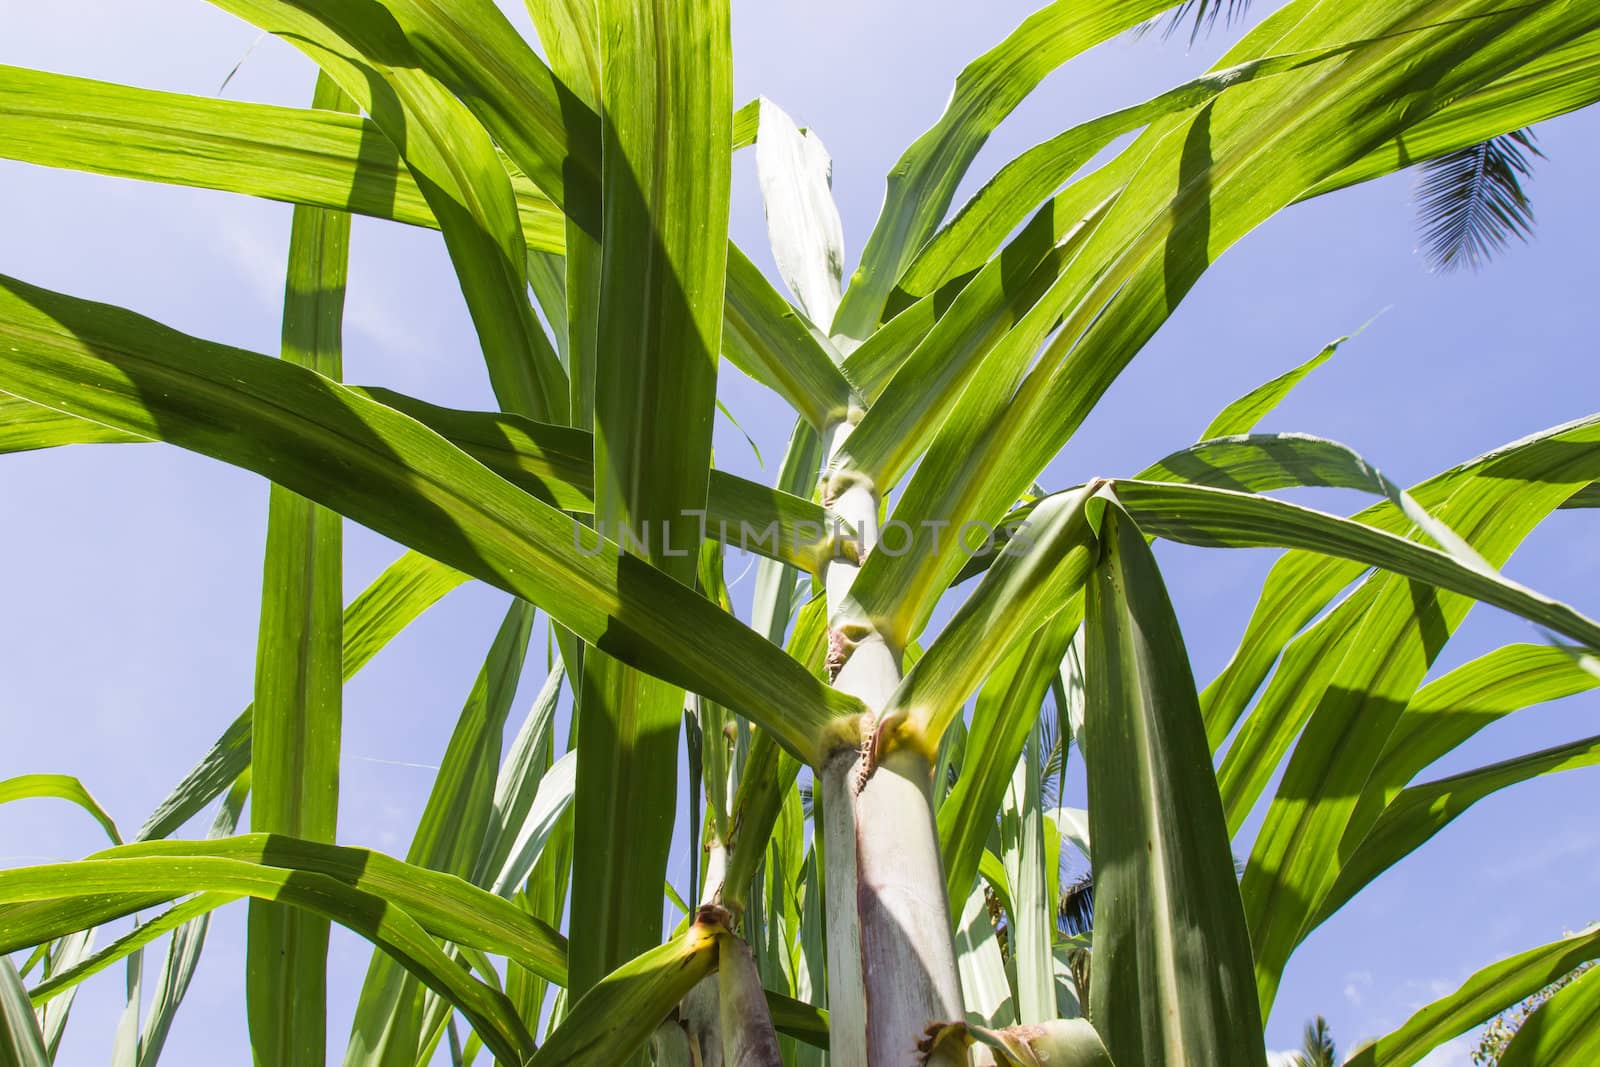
261, 260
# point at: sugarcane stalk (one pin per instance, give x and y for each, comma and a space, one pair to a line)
748, 1038
700, 1011
891, 954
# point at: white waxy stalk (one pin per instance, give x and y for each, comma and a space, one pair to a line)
891, 955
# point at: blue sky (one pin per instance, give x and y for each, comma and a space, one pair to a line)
127, 638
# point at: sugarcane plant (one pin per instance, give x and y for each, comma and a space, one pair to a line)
583, 198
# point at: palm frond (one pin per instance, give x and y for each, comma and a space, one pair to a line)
1052, 740
1471, 203
1075, 907
1317, 1049
1204, 14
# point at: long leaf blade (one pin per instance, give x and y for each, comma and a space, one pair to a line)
617, 1015
448, 838
402, 480
924, 181
20, 1040
1564, 1029
61, 787
666, 100
1173, 970
1490, 990
296, 726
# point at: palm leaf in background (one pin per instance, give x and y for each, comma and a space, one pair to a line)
1317, 1049
1203, 13
1471, 203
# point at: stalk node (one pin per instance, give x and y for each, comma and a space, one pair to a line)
840, 645
943, 1040
872, 746
837, 481
714, 915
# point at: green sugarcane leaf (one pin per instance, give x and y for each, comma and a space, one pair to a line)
58, 957
328, 160
446, 906
977, 230
768, 776
1349, 703
518, 787
983, 317
296, 725
985, 988
1262, 462
549, 805
1035, 577
1241, 416
776, 345
471, 48
60, 787
803, 1018
1289, 701
1416, 814
380, 919
924, 181
773, 601
1488, 992
1219, 518
1564, 1029
317, 158
20, 1039
387, 471
874, 364
1192, 186
570, 33
189, 922
1446, 712
1022, 838
663, 257
1172, 964
1007, 709
1302, 584
1551, 83
552, 462
391, 61
616, 1016
666, 95
1307, 670
179, 915
183, 953
799, 1020
389, 1023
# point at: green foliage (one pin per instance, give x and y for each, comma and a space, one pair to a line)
581, 189
1500, 1031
